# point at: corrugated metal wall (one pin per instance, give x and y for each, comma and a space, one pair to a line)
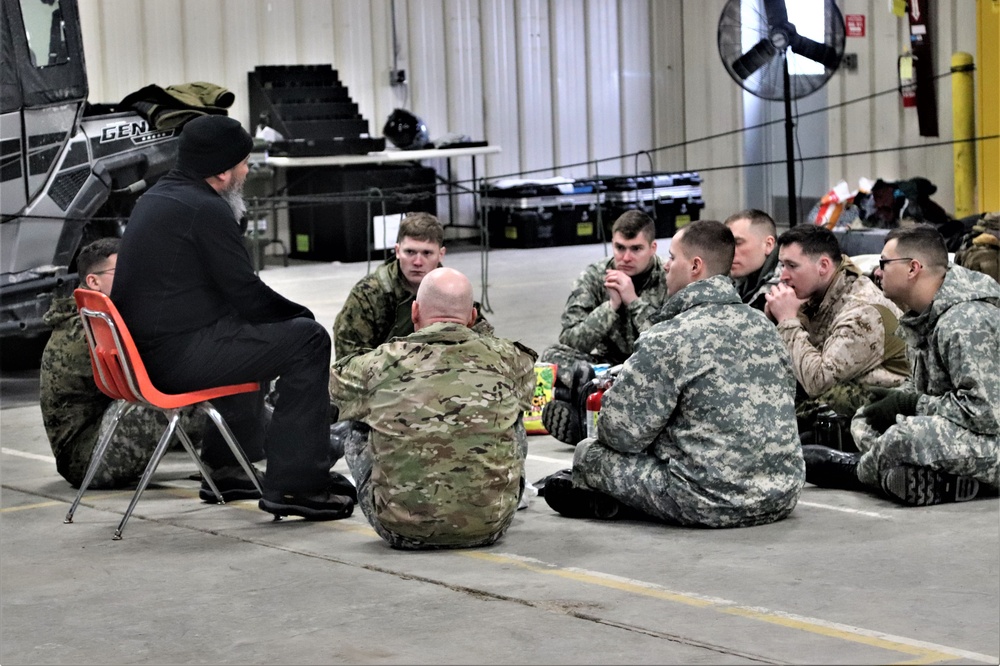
563, 86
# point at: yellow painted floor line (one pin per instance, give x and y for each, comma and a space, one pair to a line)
926, 653
36, 505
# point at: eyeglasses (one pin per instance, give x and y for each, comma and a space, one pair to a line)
883, 262
109, 270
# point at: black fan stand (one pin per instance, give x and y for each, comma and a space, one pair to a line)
793, 213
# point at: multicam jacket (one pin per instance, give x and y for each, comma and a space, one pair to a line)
589, 325
848, 334
709, 391
442, 404
72, 405
954, 347
378, 309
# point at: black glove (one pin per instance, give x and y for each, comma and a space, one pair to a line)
881, 413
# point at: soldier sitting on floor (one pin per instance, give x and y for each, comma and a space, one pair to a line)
610, 305
837, 325
74, 410
935, 438
432, 424
699, 426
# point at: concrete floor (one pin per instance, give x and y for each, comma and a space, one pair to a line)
847, 579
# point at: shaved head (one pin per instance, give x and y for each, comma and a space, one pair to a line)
444, 295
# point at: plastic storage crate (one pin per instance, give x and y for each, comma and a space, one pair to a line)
527, 214
672, 199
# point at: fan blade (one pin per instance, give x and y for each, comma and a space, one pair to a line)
776, 12
821, 53
754, 59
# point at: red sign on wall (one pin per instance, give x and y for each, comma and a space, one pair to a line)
855, 25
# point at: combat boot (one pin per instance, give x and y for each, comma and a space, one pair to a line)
572, 502
923, 486
830, 468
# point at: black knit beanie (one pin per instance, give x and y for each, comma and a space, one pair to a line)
211, 144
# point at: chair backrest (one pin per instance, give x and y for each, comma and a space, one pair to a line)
118, 368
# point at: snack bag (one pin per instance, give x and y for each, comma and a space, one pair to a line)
545, 382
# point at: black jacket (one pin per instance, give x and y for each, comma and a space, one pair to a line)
182, 266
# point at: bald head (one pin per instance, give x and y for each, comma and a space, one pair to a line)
444, 295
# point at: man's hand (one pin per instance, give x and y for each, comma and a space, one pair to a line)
620, 288
886, 404
782, 303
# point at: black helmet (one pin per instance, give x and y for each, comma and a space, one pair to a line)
405, 130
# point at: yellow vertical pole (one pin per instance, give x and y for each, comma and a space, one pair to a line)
963, 131
988, 102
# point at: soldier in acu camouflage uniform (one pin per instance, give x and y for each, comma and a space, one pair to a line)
936, 438
755, 265
699, 426
378, 307
442, 463
74, 410
838, 326
611, 303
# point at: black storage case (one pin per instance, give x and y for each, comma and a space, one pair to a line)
338, 229
672, 199
311, 109
541, 214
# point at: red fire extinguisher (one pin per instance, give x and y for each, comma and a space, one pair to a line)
593, 409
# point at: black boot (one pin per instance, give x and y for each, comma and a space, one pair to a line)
830, 468
923, 486
572, 502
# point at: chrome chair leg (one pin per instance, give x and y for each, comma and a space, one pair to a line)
174, 416
234, 446
206, 473
122, 408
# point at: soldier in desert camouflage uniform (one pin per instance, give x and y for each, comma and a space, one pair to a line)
611, 303
378, 307
838, 326
442, 465
937, 437
73, 409
699, 426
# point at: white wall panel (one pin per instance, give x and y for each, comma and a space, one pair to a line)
570, 113
553, 82
636, 79
604, 90
534, 90
500, 99
669, 103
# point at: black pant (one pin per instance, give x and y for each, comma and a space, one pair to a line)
232, 351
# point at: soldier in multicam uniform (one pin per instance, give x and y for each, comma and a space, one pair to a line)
755, 264
439, 459
838, 326
378, 307
611, 303
74, 410
699, 426
937, 437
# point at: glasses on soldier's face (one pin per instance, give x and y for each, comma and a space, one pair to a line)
109, 270
882, 262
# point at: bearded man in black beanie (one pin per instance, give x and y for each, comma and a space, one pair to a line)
201, 317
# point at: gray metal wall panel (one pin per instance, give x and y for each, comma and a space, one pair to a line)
552, 82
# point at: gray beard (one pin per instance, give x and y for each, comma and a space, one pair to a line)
234, 197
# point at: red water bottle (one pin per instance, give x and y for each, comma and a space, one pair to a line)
593, 409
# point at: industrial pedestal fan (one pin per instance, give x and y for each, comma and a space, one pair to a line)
772, 59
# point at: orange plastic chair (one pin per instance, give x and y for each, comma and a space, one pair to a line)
121, 375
